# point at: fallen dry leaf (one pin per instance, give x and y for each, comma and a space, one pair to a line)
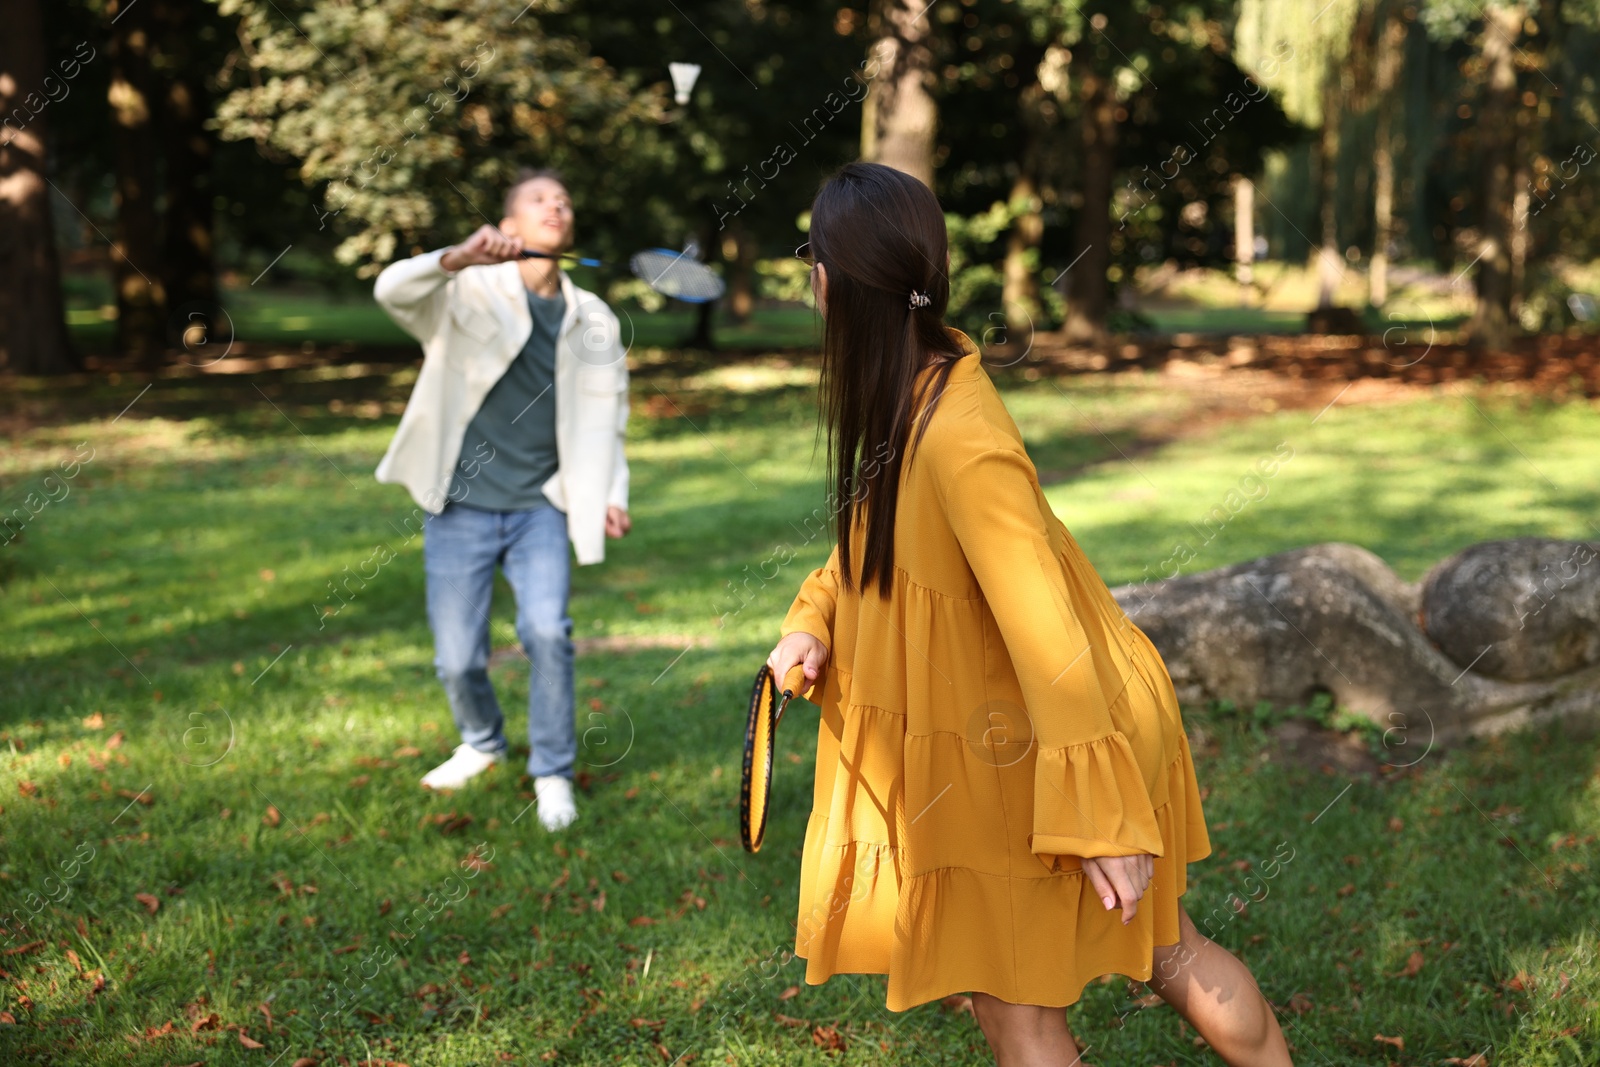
1399, 1043
249, 1042
151, 902
792, 991
826, 1037
958, 1003
789, 1020
96, 721
1412, 967
273, 817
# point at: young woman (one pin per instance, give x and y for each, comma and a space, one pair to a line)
1004, 799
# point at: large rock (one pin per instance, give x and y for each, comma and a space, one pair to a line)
1335, 618
1517, 610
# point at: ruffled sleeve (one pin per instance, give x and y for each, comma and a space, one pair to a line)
1089, 797
812, 610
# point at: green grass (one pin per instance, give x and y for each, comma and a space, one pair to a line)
293, 315
168, 681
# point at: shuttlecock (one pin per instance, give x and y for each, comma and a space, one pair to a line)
683, 77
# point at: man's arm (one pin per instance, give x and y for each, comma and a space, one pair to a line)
413, 291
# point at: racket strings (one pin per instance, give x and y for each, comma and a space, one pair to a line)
677, 275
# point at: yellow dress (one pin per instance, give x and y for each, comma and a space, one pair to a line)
995, 717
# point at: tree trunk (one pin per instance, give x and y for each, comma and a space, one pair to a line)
1328, 269
189, 276
1490, 326
33, 329
899, 118
1244, 227
704, 246
1087, 294
1390, 41
1019, 291
135, 259
1519, 238
739, 251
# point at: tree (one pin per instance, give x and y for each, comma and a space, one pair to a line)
411, 117
1096, 93
33, 333
1490, 326
1317, 39
900, 119
136, 247
188, 239
1161, 160
1391, 39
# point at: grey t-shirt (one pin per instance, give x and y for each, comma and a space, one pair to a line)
509, 448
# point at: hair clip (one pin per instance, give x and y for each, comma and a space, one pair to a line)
919, 300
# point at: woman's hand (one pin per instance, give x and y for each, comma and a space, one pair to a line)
1120, 880
801, 648
486, 245
617, 521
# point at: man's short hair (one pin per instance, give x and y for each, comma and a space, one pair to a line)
526, 175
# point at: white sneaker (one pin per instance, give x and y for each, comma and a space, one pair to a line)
556, 809
464, 763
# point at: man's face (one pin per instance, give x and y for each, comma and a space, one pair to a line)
541, 214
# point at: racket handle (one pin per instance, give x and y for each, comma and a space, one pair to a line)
582, 261
794, 683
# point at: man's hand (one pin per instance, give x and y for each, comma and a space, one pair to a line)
486, 245
798, 647
1120, 880
617, 521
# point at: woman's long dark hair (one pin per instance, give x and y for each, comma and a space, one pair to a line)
880, 233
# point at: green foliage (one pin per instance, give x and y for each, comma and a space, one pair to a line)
1320, 711
412, 116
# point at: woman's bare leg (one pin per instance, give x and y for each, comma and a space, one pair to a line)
1217, 995
1025, 1035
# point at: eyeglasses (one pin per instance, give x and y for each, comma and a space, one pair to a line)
803, 254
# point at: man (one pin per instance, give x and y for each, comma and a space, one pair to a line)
512, 442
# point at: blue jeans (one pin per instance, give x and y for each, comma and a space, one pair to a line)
461, 548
